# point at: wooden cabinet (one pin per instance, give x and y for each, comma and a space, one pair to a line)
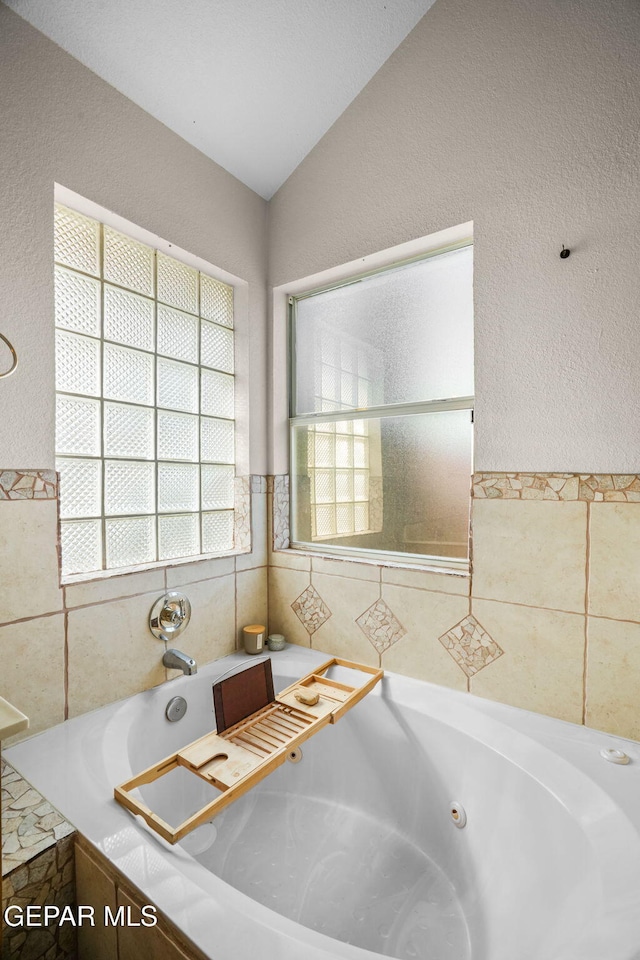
100, 885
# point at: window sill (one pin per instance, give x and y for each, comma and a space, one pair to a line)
447, 568
98, 575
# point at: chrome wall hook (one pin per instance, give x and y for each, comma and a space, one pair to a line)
14, 357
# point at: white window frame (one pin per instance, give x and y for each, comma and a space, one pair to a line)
450, 238
82, 205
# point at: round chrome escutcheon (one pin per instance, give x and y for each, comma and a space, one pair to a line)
176, 709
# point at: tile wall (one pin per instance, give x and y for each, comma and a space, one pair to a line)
548, 621
69, 649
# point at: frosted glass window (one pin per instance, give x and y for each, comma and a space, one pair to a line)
398, 347
145, 440
418, 490
402, 336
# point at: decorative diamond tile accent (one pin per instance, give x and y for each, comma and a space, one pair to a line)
470, 645
311, 610
380, 626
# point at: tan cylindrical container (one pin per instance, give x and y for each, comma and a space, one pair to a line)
253, 637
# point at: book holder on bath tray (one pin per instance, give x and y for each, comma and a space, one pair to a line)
255, 733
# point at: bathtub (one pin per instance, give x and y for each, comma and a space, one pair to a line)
357, 850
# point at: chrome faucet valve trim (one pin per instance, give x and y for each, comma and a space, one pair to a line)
169, 616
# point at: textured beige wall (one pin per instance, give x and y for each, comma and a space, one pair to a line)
523, 118
61, 123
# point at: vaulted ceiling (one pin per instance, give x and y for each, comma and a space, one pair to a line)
253, 84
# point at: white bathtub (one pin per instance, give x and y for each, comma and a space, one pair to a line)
352, 853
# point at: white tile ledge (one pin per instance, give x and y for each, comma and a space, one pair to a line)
384, 564
12, 720
97, 575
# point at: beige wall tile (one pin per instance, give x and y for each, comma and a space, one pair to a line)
613, 677
528, 551
346, 568
28, 559
290, 559
112, 653
614, 567
212, 628
199, 570
425, 616
251, 600
32, 674
457, 584
340, 635
542, 666
258, 555
113, 588
284, 587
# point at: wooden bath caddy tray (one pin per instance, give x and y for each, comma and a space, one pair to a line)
244, 751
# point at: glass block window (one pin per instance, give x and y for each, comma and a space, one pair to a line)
145, 433
381, 398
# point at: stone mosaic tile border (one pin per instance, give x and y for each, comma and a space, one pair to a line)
29, 822
28, 485
607, 487
258, 483
48, 878
280, 511
242, 514
38, 866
